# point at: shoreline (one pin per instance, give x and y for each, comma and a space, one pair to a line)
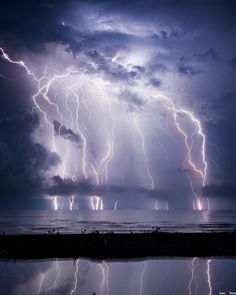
121, 246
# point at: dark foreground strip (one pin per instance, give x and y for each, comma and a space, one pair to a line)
117, 245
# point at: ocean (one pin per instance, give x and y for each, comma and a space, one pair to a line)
33, 222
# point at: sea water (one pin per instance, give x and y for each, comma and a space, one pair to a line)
33, 222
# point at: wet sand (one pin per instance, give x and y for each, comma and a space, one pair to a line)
112, 245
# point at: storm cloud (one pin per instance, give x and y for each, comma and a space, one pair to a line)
66, 187
66, 133
127, 53
222, 190
24, 162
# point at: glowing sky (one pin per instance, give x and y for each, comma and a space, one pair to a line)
108, 105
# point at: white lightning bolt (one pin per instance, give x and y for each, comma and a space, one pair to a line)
102, 267
141, 277
55, 283
202, 172
96, 203
75, 277
55, 203
209, 276
193, 277
107, 277
115, 206
150, 177
42, 276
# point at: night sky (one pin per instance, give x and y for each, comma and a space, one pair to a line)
118, 102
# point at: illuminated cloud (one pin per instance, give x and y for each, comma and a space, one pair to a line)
116, 57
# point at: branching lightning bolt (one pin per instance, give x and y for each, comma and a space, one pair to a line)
201, 172
89, 164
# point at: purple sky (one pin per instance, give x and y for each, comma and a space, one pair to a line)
130, 101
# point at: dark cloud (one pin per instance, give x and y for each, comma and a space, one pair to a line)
166, 36
67, 187
132, 98
210, 53
137, 72
23, 161
100, 62
185, 69
156, 82
67, 134
223, 190
23, 27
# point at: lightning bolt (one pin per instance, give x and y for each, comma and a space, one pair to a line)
72, 202
96, 203
156, 205
42, 276
75, 277
201, 172
102, 267
166, 206
115, 206
44, 85
209, 276
193, 277
55, 203
149, 175
141, 277
106, 159
57, 277
79, 130
107, 277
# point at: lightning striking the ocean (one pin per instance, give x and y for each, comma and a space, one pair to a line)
71, 83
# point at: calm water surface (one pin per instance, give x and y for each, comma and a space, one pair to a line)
118, 221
